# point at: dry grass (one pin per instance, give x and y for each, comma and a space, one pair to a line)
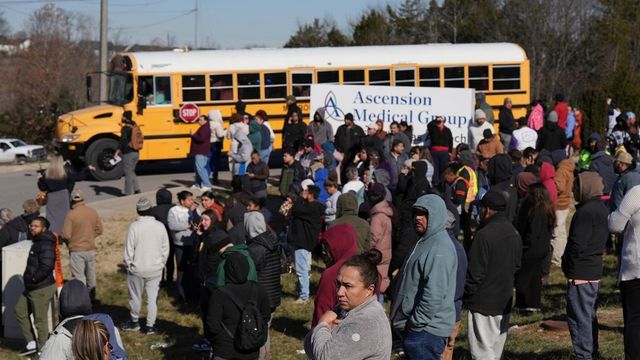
181, 327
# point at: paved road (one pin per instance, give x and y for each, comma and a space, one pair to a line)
15, 187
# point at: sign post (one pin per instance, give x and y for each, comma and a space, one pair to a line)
189, 112
416, 106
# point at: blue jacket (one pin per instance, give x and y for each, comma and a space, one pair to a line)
425, 292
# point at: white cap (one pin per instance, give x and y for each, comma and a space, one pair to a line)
305, 183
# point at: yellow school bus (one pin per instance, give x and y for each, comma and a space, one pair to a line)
154, 86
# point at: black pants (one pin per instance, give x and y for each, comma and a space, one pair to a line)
215, 159
528, 283
630, 291
170, 265
204, 310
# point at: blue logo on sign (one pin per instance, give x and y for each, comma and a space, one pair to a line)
332, 111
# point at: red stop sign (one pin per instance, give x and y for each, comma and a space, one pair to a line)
189, 112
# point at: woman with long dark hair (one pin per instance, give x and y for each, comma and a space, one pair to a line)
536, 220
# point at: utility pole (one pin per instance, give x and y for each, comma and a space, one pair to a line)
195, 32
104, 12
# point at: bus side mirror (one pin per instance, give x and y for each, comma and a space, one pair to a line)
89, 87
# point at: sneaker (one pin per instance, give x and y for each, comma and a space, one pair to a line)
204, 188
26, 351
149, 330
301, 301
130, 326
195, 187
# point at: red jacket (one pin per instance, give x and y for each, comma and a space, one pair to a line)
562, 109
341, 239
547, 173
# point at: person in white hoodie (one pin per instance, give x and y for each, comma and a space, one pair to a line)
217, 136
146, 250
477, 129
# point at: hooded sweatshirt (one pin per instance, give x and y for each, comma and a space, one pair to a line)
347, 213
146, 247
564, 183
500, 173
602, 163
223, 310
163, 205
341, 240
381, 233
217, 126
425, 291
243, 153
589, 231
255, 134
551, 137
322, 130
264, 248
547, 174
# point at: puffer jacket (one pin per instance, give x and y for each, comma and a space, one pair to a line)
564, 183
341, 240
42, 256
265, 252
381, 232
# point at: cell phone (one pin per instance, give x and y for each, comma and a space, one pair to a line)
342, 313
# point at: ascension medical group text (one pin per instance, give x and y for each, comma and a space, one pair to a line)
410, 116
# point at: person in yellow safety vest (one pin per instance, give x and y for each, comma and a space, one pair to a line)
467, 172
459, 185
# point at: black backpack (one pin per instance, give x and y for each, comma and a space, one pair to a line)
252, 331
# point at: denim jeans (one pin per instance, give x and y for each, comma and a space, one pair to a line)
202, 176
303, 265
506, 140
264, 154
440, 161
420, 345
582, 303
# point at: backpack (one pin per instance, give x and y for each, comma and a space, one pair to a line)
117, 352
137, 138
252, 331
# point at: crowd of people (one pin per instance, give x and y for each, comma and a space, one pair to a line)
434, 230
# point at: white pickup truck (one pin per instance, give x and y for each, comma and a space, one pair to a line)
16, 150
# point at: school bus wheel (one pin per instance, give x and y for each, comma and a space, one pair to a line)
99, 154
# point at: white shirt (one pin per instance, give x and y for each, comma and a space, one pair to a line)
354, 186
476, 134
525, 137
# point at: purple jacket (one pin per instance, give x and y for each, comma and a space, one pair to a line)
200, 141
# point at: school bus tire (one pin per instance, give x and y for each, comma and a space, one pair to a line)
98, 154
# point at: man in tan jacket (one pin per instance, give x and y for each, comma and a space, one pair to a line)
490, 146
81, 227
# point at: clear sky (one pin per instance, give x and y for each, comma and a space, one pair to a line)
224, 23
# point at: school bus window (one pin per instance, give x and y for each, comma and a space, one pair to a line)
275, 85
221, 87
454, 77
430, 77
161, 90
353, 77
506, 77
405, 77
301, 84
193, 88
328, 77
249, 86
479, 77
379, 77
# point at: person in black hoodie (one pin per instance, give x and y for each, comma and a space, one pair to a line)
161, 212
306, 215
210, 241
582, 263
441, 146
500, 174
551, 137
224, 314
39, 286
264, 248
494, 258
536, 221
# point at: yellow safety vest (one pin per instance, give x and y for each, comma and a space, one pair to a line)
472, 192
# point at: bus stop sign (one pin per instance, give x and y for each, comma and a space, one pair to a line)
189, 112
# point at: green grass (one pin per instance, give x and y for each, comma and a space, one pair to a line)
182, 327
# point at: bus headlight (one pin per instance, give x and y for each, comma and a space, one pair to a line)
69, 138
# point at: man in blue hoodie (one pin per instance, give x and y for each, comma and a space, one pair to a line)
423, 308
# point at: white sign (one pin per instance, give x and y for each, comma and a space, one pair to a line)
416, 106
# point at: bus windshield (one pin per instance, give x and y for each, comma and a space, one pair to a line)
120, 88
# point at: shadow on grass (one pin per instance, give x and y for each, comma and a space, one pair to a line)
290, 327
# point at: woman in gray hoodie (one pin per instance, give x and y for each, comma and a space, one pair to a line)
357, 327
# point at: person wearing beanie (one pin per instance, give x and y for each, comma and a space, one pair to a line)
551, 137
477, 128
81, 227
489, 146
481, 103
524, 136
146, 250
507, 122
628, 177
582, 263
494, 258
